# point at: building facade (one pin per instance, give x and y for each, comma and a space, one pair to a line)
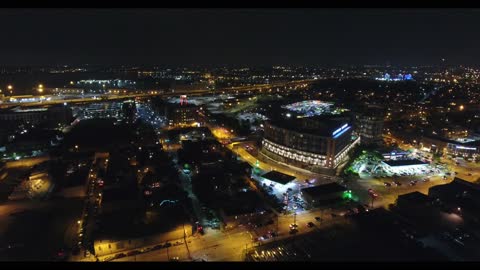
437, 144
179, 115
369, 125
308, 142
52, 115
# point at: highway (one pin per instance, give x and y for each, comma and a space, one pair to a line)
199, 92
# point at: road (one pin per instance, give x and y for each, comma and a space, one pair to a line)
93, 200
223, 135
388, 195
26, 162
258, 87
231, 245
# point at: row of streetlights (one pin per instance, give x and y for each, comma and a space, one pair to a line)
40, 89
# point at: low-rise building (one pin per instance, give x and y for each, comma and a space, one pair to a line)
323, 193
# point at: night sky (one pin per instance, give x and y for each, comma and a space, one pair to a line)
247, 36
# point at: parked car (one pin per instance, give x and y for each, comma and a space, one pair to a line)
133, 252
108, 258
361, 208
157, 247
119, 255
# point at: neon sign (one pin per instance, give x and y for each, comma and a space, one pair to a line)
340, 131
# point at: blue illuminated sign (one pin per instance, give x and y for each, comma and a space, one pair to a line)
340, 131
336, 131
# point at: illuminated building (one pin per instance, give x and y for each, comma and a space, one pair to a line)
51, 114
396, 166
467, 147
184, 115
316, 143
400, 77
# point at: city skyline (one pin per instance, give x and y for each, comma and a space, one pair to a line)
239, 135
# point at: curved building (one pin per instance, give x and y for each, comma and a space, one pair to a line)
314, 142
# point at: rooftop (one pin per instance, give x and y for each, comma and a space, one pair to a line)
458, 185
406, 162
319, 125
469, 141
243, 203
310, 108
278, 177
324, 189
416, 197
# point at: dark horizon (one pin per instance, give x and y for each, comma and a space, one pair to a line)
402, 37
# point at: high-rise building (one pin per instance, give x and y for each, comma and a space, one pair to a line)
184, 115
369, 124
129, 109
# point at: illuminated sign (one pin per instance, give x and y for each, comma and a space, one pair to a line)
466, 148
340, 131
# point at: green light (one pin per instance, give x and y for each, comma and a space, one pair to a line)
347, 195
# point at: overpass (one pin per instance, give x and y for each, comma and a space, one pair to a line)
199, 92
